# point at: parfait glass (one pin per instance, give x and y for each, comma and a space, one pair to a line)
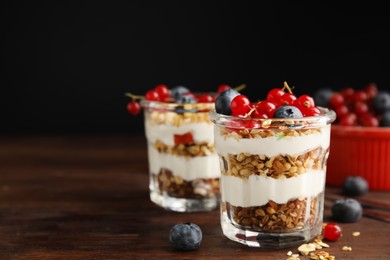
272, 177
183, 164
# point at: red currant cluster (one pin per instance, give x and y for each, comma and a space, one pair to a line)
358, 107
241, 106
179, 94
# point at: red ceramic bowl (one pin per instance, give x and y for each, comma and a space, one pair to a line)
360, 151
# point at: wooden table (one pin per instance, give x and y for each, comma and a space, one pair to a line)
87, 198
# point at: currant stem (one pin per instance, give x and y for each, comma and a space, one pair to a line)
286, 86
240, 87
135, 97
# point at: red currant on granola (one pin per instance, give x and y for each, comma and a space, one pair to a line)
162, 93
280, 100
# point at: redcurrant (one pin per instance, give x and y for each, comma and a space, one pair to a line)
332, 231
205, 98
162, 91
305, 101
336, 100
133, 107
152, 95
275, 94
222, 88
287, 99
240, 105
265, 108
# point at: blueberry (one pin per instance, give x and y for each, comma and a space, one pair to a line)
185, 236
185, 99
355, 186
288, 112
176, 92
347, 210
381, 102
222, 103
385, 120
322, 96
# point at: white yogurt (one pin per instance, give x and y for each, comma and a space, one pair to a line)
273, 145
201, 132
187, 168
258, 190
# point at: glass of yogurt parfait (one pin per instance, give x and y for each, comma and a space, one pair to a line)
183, 164
273, 168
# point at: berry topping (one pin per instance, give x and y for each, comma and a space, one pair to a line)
288, 112
183, 139
275, 94
332, 231
222, 88
161, 93
355, 186
347, 210
133, 107
185, 236
185, 98
265, 109
152, 95
178, 91
240, 105
222, 103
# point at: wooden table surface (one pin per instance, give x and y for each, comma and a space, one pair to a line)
87, 198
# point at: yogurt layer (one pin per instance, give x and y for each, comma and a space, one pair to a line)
201, 132
258, 190
186, 168
273, 145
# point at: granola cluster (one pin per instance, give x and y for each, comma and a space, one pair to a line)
186, 150
274, 217
243, 165
177, 187
263, 133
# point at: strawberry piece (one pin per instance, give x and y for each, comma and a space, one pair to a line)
184, 138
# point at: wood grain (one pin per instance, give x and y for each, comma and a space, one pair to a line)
81, 197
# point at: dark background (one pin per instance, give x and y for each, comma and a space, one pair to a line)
67, 65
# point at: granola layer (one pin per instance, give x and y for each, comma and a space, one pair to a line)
175, 186
243, 165
186, 150
293, 215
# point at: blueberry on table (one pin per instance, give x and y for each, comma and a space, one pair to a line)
355, 186
347, 210
222, 103
288, 112
185, 236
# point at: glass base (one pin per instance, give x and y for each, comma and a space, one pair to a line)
268, 240
182, 204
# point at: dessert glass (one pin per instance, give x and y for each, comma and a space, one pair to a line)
183, 164
272, 177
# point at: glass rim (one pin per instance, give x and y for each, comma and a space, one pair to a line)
326, 117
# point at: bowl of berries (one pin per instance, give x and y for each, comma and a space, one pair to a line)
360, 136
